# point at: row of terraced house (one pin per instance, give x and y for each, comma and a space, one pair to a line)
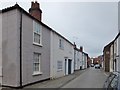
31, 51
111, 52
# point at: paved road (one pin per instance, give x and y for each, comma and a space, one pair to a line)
92, 78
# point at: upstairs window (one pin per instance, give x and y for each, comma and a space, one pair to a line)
37, 33
61, 44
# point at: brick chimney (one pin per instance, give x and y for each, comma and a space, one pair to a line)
74, 45
35, 10
81, 49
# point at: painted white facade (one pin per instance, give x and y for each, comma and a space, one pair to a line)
119, 36
111, 58
84, 61
0, 48
81, 60
78, 59
116, 58
61, 57
91, 60
119, 53
118, 16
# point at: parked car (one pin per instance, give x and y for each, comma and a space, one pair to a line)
92, 65
97, 66
112, 82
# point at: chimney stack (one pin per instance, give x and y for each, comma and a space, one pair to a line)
35, 10
81, 49
74, 45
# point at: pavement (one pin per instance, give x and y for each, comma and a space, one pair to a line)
59, 82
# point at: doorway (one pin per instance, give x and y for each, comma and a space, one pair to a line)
69, 66
65, 66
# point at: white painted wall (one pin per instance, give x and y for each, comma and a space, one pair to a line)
81, 58
58, 54
0, 48
119, 16
111, 58
84, 61
119, 39
78, 59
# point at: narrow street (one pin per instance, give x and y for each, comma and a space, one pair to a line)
92, 78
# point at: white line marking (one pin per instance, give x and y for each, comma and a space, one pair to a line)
106, 74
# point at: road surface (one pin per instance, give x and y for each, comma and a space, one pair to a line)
92, 78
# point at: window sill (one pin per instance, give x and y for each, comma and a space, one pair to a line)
61, 48
59, 70
37, 73
40, 45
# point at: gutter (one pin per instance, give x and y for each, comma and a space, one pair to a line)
21, 48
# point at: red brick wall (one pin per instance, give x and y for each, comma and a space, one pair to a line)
35, 10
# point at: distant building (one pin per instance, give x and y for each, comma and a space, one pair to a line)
111, 55
84, 61
116, 55
106, 57
92, 60
89, 62
77, 57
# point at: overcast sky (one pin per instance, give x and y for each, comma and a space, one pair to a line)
90, 24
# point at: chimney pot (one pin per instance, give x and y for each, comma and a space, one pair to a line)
81, 49
35, 10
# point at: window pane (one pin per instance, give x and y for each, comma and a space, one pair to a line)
36, 62
61, 44
37, 33
37, 27
59, 65
36, 38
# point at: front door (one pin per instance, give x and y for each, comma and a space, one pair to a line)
69, 66
65, 66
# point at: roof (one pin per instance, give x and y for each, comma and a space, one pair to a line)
16, 6
77, 49
117, 36
85, 53
108, 46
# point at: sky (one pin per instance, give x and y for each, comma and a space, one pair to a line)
89, 23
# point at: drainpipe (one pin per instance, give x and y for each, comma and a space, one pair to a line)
74, 59
21, 48
113, 58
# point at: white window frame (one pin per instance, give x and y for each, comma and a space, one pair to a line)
35, 24
39, 70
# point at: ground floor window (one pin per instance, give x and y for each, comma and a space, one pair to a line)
59, 65
36, 62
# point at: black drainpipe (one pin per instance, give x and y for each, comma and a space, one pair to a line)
21, 48
113, 58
